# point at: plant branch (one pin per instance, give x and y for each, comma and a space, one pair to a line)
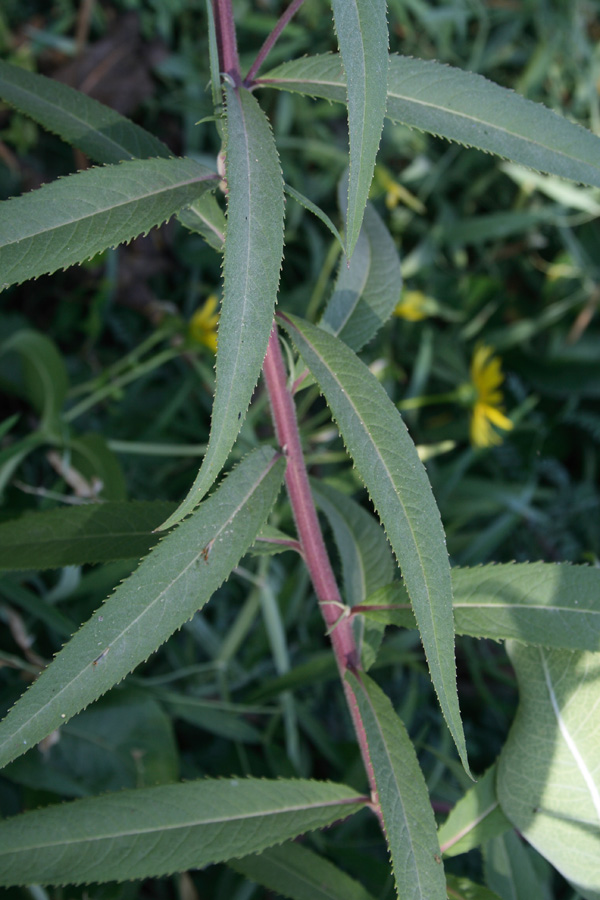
226, 40
270, 41
311, 540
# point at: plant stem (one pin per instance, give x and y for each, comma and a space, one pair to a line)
226, 40
270, 41
311, 540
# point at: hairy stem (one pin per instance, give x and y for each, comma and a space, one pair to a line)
270, 41
226, 40
311, 539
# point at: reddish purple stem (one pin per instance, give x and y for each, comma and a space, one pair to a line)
226, 40
270, 41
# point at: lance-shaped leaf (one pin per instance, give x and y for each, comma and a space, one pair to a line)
93, 532
464, 889
295, 871
388, 463
101, 133
72, 219
361, 28
43, 374
550, 604
475, 819
367, 288
97, 130
175, 580
549, 769
405, 805
253, 253
462, 107
160, 830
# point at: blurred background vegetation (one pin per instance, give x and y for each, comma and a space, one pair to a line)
492, 256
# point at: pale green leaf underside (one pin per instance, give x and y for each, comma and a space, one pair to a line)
462, 107
176, 579
70, 220
475, 819
72, 536
464, 889
160, 830
407, 814
551, 604
549, 770
361, 27
296, 872
367, 288
97, 130
253, 253
509, 868
388, 463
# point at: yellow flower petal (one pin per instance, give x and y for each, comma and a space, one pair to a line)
203, 324
413, 306
486, 377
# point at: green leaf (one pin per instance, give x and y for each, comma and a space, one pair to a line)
224, 719
93, 458
388, 463
367, 288
99, 131
462, 107
509, 869
367, 561
475, 819
174, 581
91, 533
316, 211
549, 769
253, 253
405, 805
361, 27
550, 604
43, 376
463, 889
205, 217
160, 830
125, 740
72, 219
299, 873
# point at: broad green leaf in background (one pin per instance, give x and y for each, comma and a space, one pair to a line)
97, 130
509, 869
549, 769
90, 533
388, 463
175, 580
42, 376
253, 253
368, 288
463, 889
407, 814
550, 604
462, 107
361, 27
475, 819
125, 740
71, 219
366, 558
295, 871
160, 830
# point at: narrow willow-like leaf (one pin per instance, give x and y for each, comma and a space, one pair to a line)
205, 217
462, 107
253, 253
99, 131
388, 463
368, 288
464, 889
316, 211
44, 381
72, 536
175, 580
509, 868
296, 872
549, 770
160, 830
69, 220
407, 814
361, 27
475, 819
549, 604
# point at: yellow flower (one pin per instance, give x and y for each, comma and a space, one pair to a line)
486, 378
203, 324
414, 306
396, 193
